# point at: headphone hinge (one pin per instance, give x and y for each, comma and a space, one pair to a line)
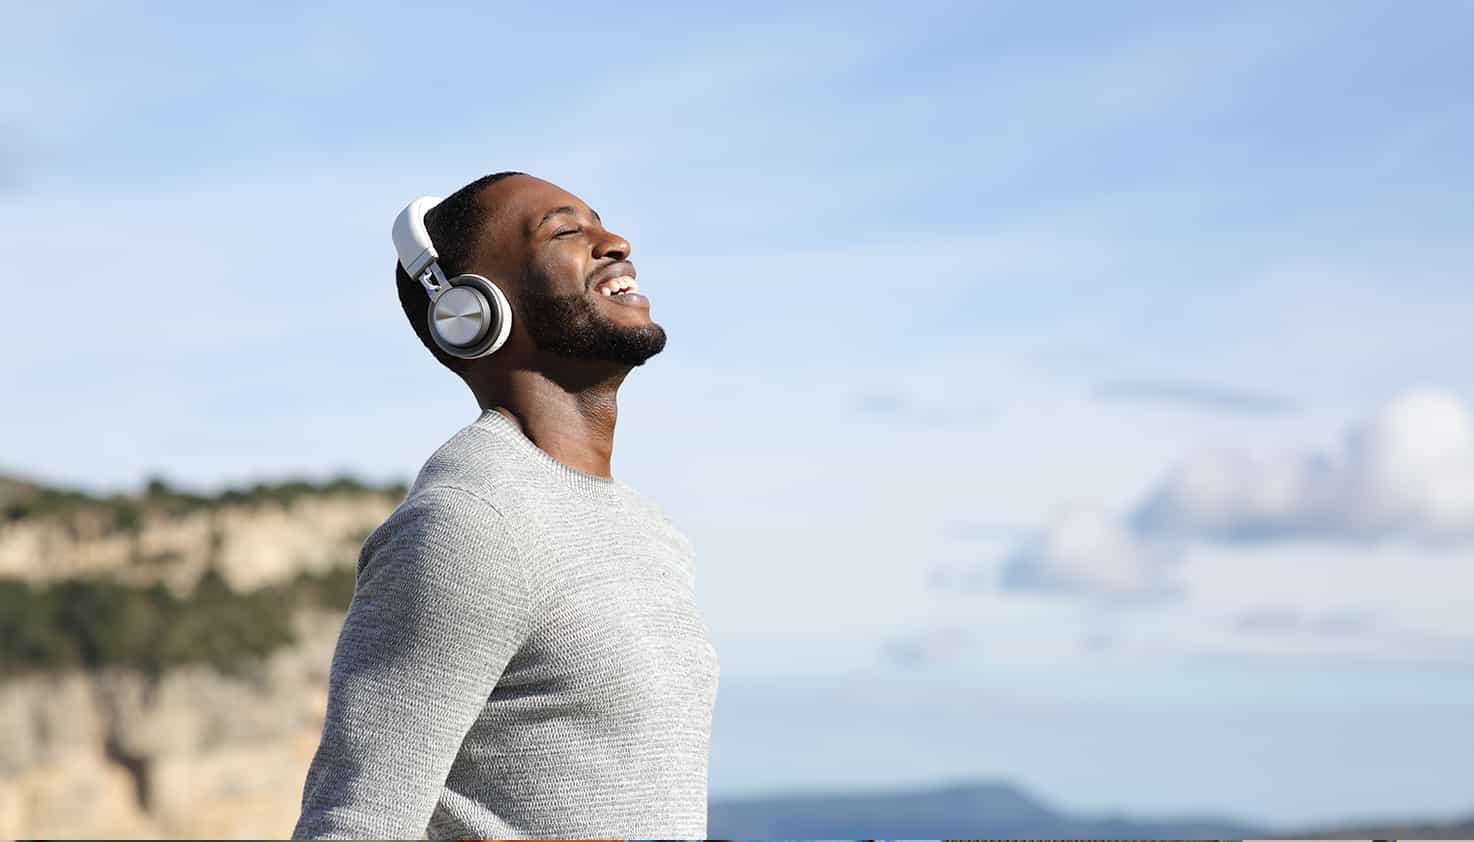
438, 285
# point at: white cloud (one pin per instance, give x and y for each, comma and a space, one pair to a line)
1233, 494
1412, 469
1089, 552
1409, 472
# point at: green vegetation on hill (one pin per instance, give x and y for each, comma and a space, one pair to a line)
125, 512
91, 623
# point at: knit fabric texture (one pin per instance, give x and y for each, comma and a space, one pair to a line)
523, 658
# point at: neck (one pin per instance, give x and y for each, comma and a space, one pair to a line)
567, 410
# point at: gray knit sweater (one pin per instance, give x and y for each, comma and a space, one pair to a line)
523, 658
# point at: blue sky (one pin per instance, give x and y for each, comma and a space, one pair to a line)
1110, 354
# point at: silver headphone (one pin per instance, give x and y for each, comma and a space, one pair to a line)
469, 317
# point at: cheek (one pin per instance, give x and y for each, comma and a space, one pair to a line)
556, 272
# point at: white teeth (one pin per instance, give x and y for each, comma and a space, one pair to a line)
619, 284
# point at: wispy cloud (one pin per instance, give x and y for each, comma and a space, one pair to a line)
1098, 640
1268, 619
1289, 620
1199, 396
927, 647
985, 531
972, 578
1343, 623
882, 403
891, 406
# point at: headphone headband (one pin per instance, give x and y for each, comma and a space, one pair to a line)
416, 253
468, 315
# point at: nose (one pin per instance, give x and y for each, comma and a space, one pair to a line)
612, 246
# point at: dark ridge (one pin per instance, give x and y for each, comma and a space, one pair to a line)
24, 499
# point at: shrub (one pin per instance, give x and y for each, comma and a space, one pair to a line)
91, 623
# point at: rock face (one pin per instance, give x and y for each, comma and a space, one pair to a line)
191, 754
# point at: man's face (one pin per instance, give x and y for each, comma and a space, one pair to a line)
556, 250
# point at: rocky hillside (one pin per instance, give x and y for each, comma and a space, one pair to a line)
164, 656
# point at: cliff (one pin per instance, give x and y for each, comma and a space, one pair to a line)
215, 740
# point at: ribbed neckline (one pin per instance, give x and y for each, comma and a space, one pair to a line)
581, 481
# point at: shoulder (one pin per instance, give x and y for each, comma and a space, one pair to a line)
444, 532
445, 505
442, 572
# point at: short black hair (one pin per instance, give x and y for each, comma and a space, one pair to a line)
455, 227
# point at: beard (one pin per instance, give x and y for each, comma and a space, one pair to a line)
572, 326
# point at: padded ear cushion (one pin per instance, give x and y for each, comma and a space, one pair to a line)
474, 311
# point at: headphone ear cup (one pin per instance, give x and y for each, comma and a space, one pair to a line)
471, 319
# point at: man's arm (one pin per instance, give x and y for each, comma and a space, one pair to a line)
440, 606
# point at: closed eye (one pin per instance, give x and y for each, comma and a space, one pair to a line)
566, 231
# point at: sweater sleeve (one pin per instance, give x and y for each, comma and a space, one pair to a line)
439, 608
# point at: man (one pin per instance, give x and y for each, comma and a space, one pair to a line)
523, 656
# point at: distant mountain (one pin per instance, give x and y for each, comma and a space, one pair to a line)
983, 809
998, 810
1462, 829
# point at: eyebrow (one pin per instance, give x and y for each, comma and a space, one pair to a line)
567, 209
